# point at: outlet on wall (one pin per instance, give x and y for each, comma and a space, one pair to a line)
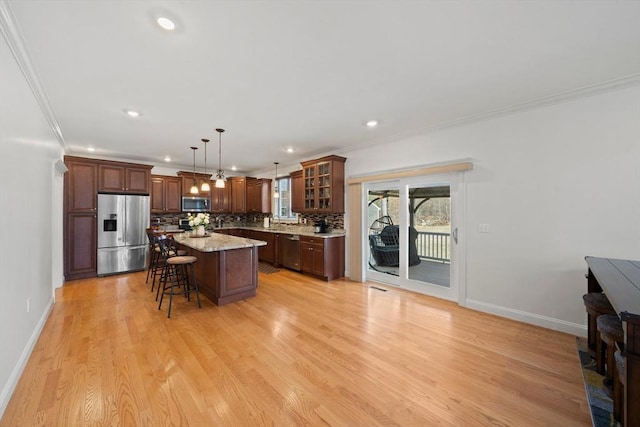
483, 228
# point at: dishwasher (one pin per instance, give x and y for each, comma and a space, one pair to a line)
291, 252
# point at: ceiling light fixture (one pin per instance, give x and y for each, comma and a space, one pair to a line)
220, 179
167, 159
234, 168
205, 181
276, 194
289, 150
132, 113
91, 149
194, 186
166, 23
372, 123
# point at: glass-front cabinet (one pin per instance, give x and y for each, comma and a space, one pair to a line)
323, 181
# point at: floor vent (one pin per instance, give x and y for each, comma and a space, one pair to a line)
377, 288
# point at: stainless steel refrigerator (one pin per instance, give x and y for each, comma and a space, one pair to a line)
122, 237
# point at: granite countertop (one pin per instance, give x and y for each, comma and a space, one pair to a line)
286, 229
215, 242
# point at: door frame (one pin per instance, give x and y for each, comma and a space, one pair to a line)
358, 216
456, 290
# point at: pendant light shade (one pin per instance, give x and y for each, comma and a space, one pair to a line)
220, 179
276, 193
194, 186
205, 182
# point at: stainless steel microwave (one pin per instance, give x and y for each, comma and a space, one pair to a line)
195, 204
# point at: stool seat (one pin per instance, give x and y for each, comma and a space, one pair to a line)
596, 304
610, 325
180, 260
609, 333
597, 301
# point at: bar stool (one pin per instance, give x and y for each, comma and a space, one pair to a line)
596, 304
178, 268
154, 257
158, 262
610, 332
618, 388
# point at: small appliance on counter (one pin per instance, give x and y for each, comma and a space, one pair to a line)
321, 227
183, 224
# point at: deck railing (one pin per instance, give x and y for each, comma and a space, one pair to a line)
434, 246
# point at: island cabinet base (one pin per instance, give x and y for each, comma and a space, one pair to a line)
226, 276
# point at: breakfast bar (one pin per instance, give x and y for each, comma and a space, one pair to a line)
227, 266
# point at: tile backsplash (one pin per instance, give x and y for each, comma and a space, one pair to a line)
335, 221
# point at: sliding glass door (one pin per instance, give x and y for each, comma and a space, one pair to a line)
411, 234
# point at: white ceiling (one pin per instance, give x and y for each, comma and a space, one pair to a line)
308, 74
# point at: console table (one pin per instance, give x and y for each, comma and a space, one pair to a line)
620, 281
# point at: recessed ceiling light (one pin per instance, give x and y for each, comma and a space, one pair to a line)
167, 159
91, 149
166, 23
372, 123
289, 150
233, 168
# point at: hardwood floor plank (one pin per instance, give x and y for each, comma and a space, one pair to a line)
302, 352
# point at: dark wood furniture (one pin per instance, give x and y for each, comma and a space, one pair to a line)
79, 220
220, 198
323, 183
266, 253
187, 182
620, 281
238, 194
166, 193
322, 257
297, 191
258, 195
224, 275
82, 183
123, 178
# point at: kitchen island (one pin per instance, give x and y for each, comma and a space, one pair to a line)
227, 266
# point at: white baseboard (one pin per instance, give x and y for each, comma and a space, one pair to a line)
531, 318
11, 384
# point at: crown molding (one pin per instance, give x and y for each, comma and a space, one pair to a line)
10, 30
559, 98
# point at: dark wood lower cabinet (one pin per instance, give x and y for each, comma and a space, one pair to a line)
322, 257
265, 253
80, 246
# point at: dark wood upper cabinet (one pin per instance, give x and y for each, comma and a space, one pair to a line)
187, 182
323, 185
80, 185
297, 191
258, 195
238, 194
166, 193
123, 178
220, 198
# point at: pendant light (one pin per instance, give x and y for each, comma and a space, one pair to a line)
194, 186
205, 182
276, 193
220, 179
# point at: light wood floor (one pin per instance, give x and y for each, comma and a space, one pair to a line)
303, 352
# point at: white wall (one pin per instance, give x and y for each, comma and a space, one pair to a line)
554, 184
28, 196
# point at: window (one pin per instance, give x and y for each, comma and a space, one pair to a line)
283, 203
